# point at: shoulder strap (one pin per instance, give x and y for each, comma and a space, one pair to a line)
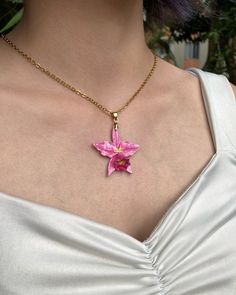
220, 105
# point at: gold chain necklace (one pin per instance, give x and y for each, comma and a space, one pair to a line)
117, 150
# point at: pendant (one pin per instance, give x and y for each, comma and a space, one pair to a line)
119, 151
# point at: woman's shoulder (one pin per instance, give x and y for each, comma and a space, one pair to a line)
185, 78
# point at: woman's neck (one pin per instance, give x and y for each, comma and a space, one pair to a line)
94, 44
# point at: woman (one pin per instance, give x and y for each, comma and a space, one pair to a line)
166, 224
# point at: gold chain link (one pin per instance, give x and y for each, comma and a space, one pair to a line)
75, 90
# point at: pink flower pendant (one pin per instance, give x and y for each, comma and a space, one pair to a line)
118, 151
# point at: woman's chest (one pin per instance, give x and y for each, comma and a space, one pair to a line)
53, 162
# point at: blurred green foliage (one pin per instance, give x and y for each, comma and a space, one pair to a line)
215, 23
10, 14
222, 39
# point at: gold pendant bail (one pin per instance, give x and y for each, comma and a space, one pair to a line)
115, 120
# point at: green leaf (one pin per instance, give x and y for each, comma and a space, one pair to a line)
13, 21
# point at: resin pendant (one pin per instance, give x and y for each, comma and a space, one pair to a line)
117, 150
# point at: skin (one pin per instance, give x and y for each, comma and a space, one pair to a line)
46, 131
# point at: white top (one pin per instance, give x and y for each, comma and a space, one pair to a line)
191, 251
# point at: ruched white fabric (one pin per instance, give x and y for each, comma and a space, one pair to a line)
192, 250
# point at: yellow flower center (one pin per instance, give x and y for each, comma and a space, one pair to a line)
119, 150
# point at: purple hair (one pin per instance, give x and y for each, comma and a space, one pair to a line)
169, 10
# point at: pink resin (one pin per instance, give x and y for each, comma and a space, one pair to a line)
118, 151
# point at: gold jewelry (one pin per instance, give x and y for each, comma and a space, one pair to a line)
118, 151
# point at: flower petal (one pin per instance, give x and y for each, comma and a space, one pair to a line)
111, 167
128, 148
106, 148
128, 169
115, 137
